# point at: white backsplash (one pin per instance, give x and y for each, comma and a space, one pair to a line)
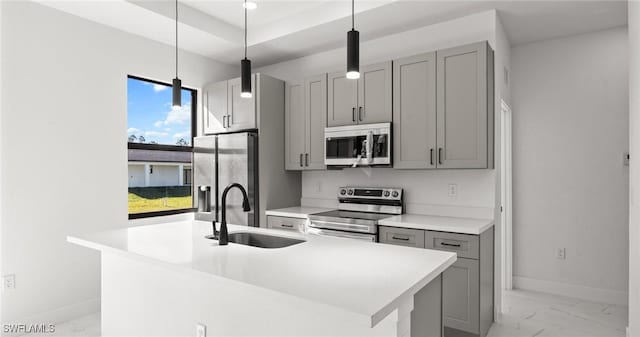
425, 191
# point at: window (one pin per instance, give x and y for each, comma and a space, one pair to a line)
159, 148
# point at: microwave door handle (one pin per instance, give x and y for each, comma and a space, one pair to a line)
370, 147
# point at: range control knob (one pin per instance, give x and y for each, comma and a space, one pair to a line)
343, 191
350, 192
395, 194
386, 194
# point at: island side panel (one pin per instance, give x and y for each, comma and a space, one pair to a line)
426, 317
149, 299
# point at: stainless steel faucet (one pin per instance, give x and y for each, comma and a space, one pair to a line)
223, 235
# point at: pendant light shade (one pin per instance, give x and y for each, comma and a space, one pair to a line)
353, 48
245, 78
353, 54
245, 64
177, 93
177, 83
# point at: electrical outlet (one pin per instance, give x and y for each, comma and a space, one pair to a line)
9, 282
561, 253
452, 190
201, 330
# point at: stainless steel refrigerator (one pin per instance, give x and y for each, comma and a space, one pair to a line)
220, 160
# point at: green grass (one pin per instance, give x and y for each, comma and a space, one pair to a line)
153, 199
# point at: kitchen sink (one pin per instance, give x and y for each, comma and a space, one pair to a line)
262, 240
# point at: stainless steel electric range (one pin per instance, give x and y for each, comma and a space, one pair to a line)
358, 213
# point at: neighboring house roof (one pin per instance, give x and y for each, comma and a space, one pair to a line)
159, 156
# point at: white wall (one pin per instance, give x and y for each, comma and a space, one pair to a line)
634, 174
136, 175
164, 175
426, 191
64, 150
570, 109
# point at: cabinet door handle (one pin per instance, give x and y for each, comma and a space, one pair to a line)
440, 156
224, 121
301, 160
360, 113
397, 238
431, 156
286, 225
450, 244
306, 159
353, 114
228, 121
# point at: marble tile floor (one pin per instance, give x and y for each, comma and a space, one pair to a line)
526, 314
534, 314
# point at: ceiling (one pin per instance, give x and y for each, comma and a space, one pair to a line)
282, 30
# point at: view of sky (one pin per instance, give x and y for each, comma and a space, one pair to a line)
151, 116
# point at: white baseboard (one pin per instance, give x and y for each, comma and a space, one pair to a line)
570, 290
63, 314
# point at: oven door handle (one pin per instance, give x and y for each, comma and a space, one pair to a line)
342, 226
324, 232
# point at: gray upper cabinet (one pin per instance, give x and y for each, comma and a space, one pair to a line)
464, 105
295, 125
305, 120
224, 109
316, 116
363, 101
343, 100
443, 109
215, 107
414, 112
241, 111
375, 93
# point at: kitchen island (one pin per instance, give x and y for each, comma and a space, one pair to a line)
163, 280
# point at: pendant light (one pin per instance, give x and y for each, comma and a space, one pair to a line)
245, 64
353, 48
177, 84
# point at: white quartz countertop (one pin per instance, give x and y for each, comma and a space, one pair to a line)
364, 278
439, 223
297, 212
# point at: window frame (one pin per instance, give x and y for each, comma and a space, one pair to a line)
165, 147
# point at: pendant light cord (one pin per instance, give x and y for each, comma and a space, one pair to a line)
245, 29
176, 38
353, 20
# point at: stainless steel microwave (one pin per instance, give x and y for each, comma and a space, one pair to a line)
358, 145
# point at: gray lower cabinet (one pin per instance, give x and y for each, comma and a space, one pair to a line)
443, 109
402, 236
467, 286
286, 223
461, 293
305, 120
363, 101
225, 111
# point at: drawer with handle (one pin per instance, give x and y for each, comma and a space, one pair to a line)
291, 224
464, 245
402, 236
